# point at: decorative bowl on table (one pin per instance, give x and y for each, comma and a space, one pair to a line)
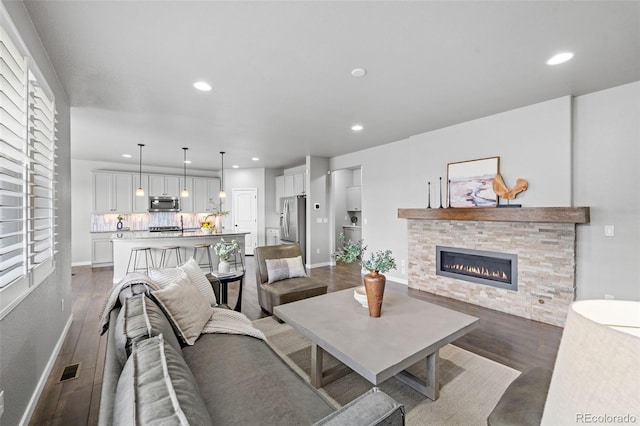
361, 296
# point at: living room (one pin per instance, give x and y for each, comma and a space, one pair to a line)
575, 148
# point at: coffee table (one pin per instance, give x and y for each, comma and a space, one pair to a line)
408, 331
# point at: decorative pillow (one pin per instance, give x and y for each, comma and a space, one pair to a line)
185, 307
140, 318
281, 269
165, 276
200, 280
157, 387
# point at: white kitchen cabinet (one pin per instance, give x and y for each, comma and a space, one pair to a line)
101, 250
205, 194
353, 233
293, 185
279, 192
298, 184
354, 197
168, 186
273, 236
112, 192
288, 185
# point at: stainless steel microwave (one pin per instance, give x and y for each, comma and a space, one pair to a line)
164, 204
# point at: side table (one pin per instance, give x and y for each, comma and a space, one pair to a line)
224, 280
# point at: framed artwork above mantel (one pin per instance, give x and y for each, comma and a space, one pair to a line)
470, 183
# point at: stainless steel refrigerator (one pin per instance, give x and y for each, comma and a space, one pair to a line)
293, 221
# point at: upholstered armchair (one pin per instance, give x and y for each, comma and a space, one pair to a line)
288, 281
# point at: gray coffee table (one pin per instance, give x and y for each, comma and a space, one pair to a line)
409, 330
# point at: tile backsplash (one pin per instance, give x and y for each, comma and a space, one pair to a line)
142, 221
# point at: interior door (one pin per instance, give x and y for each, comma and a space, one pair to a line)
244, 210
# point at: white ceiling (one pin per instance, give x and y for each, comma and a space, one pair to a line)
280, 71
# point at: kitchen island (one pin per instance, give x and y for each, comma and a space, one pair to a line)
123, 242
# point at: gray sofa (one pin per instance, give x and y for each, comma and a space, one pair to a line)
223, 379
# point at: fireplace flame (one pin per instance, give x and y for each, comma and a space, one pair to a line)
477, 270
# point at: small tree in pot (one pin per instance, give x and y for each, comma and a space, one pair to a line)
378, 263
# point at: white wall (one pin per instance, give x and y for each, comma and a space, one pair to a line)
34, 329
319, 229
607, 175
533, 143
81, 196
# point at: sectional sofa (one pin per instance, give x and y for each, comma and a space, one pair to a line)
157, 372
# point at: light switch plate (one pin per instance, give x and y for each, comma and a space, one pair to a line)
609, 230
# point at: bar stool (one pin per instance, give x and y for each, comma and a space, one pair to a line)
146, 251
206, 247
164, 257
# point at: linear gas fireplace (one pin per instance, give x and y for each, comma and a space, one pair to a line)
478, 266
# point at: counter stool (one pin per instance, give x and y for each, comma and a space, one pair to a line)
195, 252
164, 257
146, 251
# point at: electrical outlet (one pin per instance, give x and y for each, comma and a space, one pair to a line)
325, 220
608, 297
1, 403
317, 251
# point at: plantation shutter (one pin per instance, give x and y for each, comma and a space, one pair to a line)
14, 159
41, 144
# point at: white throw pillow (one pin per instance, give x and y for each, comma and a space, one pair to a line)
165, 276
200, 280
185, 307
282, 269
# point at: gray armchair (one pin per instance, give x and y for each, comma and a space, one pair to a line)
285, 291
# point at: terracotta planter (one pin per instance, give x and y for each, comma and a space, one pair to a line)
374, 285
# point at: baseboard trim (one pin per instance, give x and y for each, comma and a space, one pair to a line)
81, 263
318, 265
33, 402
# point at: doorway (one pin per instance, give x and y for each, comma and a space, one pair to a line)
346, 204
244, 214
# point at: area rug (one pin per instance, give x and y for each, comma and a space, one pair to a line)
470, 384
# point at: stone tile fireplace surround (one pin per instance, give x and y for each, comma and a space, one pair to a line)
544, 239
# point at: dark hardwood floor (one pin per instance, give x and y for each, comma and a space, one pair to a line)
507, 339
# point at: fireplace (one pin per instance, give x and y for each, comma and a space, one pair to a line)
478, 266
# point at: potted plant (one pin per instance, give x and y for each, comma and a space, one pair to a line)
377, 264
120, 219
224, 250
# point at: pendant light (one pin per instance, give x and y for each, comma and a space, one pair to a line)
140, 191
222, 193
185, 191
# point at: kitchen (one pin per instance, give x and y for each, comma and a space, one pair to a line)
159, 217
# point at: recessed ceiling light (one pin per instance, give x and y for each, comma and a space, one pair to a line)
187, 161
358, 72
235, 166
255, 159
202, 85
357, 127
126, 155
560, 58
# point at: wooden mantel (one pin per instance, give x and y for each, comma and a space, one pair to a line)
492, 214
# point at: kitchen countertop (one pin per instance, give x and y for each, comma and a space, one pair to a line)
146, 235
352, 226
